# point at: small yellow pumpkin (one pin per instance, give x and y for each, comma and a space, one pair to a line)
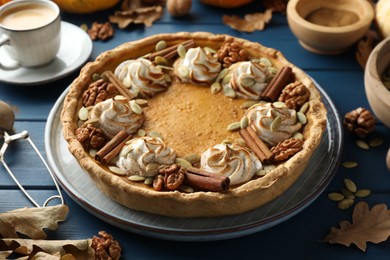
382, 11
226, 3
85, 6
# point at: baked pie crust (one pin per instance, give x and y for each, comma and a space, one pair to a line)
191, 135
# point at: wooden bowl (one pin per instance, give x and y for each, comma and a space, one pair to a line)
329, 27
377, 94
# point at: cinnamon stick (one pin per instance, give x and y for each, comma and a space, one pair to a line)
278, 82
109, 149
256, 144
206, 180
118, 84
263, 147
171, 52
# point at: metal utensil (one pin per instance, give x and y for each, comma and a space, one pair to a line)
7, 119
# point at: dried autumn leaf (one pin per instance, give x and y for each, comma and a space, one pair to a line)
32, 221
365, 47
250, 23
145, 15
367, 226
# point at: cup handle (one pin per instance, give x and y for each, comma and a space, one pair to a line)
6, 62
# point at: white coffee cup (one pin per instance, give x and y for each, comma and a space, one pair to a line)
30, 31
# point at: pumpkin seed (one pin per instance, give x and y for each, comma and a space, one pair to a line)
159, 60
222, 74
192, 158
186, 188
363, 145
347, 194
272, 71
248, 82
302, 118
304, 108
349, 164
362, 193
116, 170
248, 104
120, 98
149, 181
229, 92
142, 102
164, 67
96, 77
226, 79
376, 142
136, 178
215, 88
155, 134
209, 50
182, 51
266, 62
93, 152
161, 45
183, 162
350, 185
279, 104
152, 168
336, 196
234, 126
125, 150
261, 172
244, 122
183, 72
345, 203
298, 135
84, 27
135, 107
276, 123
83, 114
141, 132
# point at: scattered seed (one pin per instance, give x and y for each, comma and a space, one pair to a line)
161, 45
298, 135
302, 118
362, 193
349, 164
244, 122
183, 72
248, 104
350, 185
136, 178
226, 79
336, 196
192, 158
304, 108
215, 88
116, 170
135, 107
279, 104
120, 98
209, 50
159, 60
363, 145
142, 102
272, 71
275, 124
229, 92
96, 77
248, 82
234, 126
93, 152
125, 150
222, 74
155, 134
149, 181
84, 27
345, 203
266, 62
152, 168
186, 188
141, 132
376, 142
83, 114
183, 162
347, 194
182, 51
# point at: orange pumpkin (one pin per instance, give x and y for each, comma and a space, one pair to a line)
4, 1
84, 6
226, 3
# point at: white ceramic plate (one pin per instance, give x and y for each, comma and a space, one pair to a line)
305, 190
75, 49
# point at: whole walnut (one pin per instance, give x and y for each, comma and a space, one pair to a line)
360, 122
179, 8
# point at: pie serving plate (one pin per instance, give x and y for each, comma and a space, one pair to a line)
81, 188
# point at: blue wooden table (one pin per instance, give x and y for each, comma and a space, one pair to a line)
299, 237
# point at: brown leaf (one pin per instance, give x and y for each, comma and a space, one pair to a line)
367, 226
32, 221
365, 47
78, 249
250, 23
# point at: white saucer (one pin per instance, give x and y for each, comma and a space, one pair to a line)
75, 49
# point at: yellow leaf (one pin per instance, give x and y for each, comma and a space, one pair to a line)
367, 226
31, 221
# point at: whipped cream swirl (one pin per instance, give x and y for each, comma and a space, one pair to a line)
197, 67
137, 157
231, 160
262, 117
247, 79
142, 77
114, 115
